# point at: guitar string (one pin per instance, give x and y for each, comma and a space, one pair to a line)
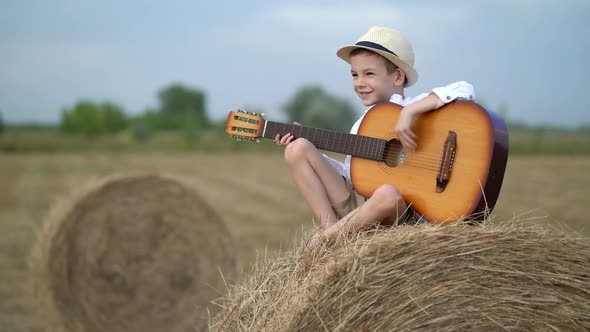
425, 160
429, 161
389, 151
430, 167
424, 156
417, 163
337, 144
426, 167
414, 158
421, 158
432, 164
429, 158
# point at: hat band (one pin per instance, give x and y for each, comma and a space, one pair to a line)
375, 46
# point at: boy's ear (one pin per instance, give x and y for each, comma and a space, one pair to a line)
400, 77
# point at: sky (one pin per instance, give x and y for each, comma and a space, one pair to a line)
528, 55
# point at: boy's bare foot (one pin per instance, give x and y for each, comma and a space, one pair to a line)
313, 242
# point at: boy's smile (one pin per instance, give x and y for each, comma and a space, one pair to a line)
371, 81
364, 95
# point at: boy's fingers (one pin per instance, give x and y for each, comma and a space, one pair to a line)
285, 138
411, 141
411, 144
407, 141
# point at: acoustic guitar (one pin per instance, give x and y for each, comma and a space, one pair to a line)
455, 173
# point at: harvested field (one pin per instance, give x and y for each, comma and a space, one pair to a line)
251, 193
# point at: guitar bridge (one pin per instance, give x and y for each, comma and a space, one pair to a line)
446, 164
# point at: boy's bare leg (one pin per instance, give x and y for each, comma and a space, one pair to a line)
319, 183
386, 205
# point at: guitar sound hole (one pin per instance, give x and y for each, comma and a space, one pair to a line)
394, 154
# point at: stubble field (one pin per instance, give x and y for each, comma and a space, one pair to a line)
253, 194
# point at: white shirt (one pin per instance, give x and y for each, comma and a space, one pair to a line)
446, 94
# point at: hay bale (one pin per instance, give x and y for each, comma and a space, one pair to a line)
131, 253
421, 278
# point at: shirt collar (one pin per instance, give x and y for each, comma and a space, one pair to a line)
398, 99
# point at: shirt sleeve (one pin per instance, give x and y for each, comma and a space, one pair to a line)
454, 91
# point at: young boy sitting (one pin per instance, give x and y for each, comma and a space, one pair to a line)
381, 66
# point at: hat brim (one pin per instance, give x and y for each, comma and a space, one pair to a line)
411, 74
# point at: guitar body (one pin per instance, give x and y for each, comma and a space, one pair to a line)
476, 161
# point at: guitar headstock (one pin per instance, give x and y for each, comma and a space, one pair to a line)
243, 125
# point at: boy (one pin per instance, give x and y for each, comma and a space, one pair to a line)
381, 66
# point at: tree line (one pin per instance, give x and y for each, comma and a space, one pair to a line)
183, 108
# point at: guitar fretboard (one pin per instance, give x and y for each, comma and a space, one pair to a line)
329, 140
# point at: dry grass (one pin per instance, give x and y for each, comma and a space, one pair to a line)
251, 192
131, 253
421, 278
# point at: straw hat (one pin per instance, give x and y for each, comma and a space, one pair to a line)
389, 43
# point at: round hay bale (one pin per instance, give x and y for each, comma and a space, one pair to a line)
131, 253
421, 278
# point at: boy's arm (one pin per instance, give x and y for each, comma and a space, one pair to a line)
403, 127
454, 91
435, 99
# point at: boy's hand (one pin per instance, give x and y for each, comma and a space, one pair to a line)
404, 131
287, 138
404, 123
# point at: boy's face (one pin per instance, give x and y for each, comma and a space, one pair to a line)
370, 79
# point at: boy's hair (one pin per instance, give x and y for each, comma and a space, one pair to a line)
389, 66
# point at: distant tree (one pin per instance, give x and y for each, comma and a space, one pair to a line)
176, 101
145, 124
299, 103
93, 119
312, 106
114, 118
84, 118
1, 124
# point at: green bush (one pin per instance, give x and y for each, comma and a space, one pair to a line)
93, 119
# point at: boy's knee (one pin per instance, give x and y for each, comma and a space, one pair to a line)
297, 150
388, 198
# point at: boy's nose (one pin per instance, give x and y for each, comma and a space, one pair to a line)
359, 82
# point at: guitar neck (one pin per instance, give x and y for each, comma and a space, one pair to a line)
355, 145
